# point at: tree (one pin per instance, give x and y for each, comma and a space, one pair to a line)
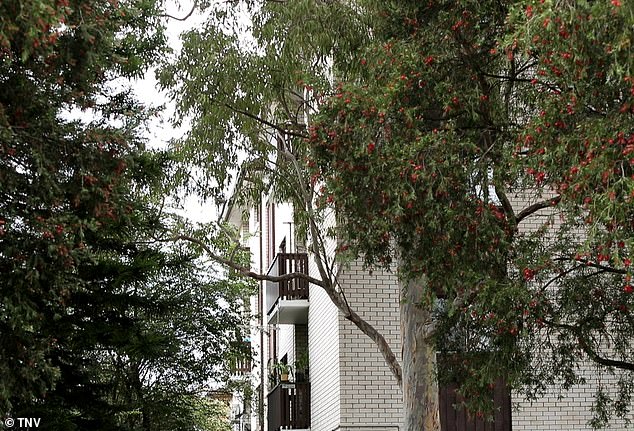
143, 344
476, 119
60, 177
96, 330
458, 113
242, 97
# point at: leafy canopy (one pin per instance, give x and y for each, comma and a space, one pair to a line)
102, 325
484, 146
488, 150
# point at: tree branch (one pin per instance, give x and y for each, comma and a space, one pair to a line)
380, 341
265, 122
166, 15
244, 270
327, 274
506, 204
588, 350
530, 210
591, 264
327, 285
561, 275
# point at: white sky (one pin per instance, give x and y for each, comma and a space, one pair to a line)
147, 88
148, 92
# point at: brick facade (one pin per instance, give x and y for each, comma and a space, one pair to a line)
370, 398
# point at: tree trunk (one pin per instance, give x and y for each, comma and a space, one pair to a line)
420, 385
138, 389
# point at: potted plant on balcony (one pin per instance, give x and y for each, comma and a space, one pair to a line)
285, 371
281, 371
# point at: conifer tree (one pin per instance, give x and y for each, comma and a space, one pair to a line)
101, 325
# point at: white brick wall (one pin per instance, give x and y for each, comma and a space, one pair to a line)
557, 409
286, 339
323, 351
565, 411
370, 398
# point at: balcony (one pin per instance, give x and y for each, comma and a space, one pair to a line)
241, 365
289, 407
286, 301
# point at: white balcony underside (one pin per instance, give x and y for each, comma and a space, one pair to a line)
289, 311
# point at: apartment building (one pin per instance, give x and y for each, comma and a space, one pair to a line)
339, 380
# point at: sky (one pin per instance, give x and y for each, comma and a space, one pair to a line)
147, 90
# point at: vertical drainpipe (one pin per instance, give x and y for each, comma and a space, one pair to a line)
270, 253
273, 244
263, 374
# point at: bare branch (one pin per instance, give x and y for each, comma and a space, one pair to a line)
194, 6
244, 270
379, 340
368, 330
328, 287
532, 209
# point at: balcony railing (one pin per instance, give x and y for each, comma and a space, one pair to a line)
291, 289
289, 406
241, 366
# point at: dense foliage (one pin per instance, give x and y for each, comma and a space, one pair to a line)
488, 149
484, 147
101, 325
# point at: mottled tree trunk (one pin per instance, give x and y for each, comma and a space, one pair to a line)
420, 387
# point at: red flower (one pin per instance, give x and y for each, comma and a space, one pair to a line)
371, 147
540, 177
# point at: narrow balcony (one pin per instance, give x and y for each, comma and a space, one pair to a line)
241, 365
287, 301
289, 407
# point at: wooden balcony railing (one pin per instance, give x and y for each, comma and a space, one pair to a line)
295, 288
289, 406
241, 366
